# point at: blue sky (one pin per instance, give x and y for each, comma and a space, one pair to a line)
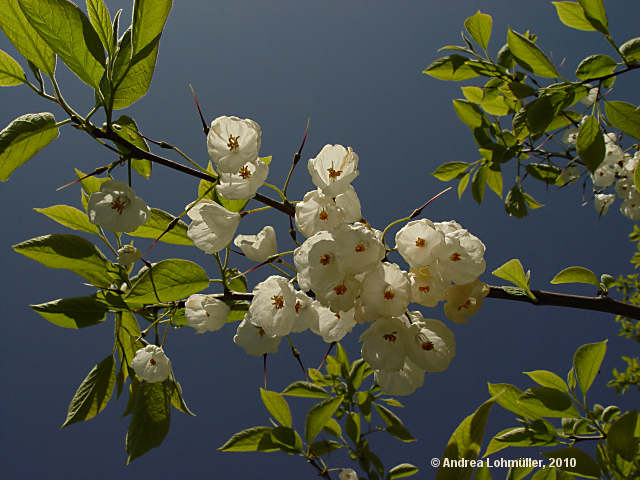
354, 68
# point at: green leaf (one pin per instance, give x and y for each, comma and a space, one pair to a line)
149, 17
465, 443
483, 473
352, 427
543, 172
508, 397
586, 363
532, 203
101, 22
452, 67
548, 402
151, 418
636, 178
94, 392
450, 170
590, 143
255, 439
513, 272
595, 13
11, 72
287, 439
177, 401
535, 434
203, 186
305, 389
68, 32
549, 379
333, 428
168, 280
494, 179
479, 27
231, 205
469, 113
357, 373
395, 427
127, 129
572, 15
624, 116
515, 203
277, 407
77, 312
631, 50
576, 275
473, 94
478, 183
595, 66
585, 466
323, 447
70, 217
23, 138
462, 184
622, 438
23, 36
157, 223
529, 56
318, 416
402, 470
69, 252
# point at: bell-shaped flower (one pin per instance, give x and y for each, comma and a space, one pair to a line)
631, 209
460, 257
332, 326
232, 142
254, 340
128, 254
117, 208
591, 97
624, 187
244, 183
364, 313
386, 289
333, 169
205, 313
359, 247
339, 293
306, 313
258, 247
402, 382
316, 261
447, 227
416, 242
384, 343
349, 204
570, 136
317, 212
427, 286
151, 364
604, 175
347, 474
463, 301
602, 202
213, 226
274, 306
431, 345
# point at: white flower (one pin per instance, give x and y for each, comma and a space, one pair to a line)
359, 247
604, 175
386, 289
570, 136
205, 313
340, 293
244, 183
116, 207
213, 226
631, 209
258, 247
127, 255
233, 142
430, 344
416, 242
602, 202
317, 211
427, 286
332, 326
349, 204
590, 98
254, 340
401, 382
569, 175
316, 261
151, 364
464, 300
347, 474
333, 169
274, 306
460, 257
624, 187
447, 227
384, 344
306, 313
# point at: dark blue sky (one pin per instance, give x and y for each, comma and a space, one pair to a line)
355, 69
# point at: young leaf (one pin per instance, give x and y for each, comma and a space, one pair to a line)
127, 129
151, 418
68, 32
352, 427
157, 224
69, 252
622, 438
149, 17
465, 443
287, 439
590, 143
177, 401
333, 428
624, 116
478, 183
586, 363
23, 138
168, 280
595, 13
636, 178
494, 179
77, 312
450, 170
70, 217
595, 66
469, 113
513, 272
548, 402
324, 447
578, 462
255, 439
462, 184
402, 470
529, 56
572, 15
508, 397
515, 204
452, 67
101, 21
479, 27
318, 416
576, 275
94, 392
23, 36
631, 50
11, 72
394, 425
277, 407
548, 379
204, 185
543, 172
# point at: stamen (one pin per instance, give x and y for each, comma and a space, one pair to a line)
360, 247
325, 259
244, 172
455, 257
233, 143
340, 289
323, 215
388, 294
119, 204
420, 242
152, 361
391, 337
278, 301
